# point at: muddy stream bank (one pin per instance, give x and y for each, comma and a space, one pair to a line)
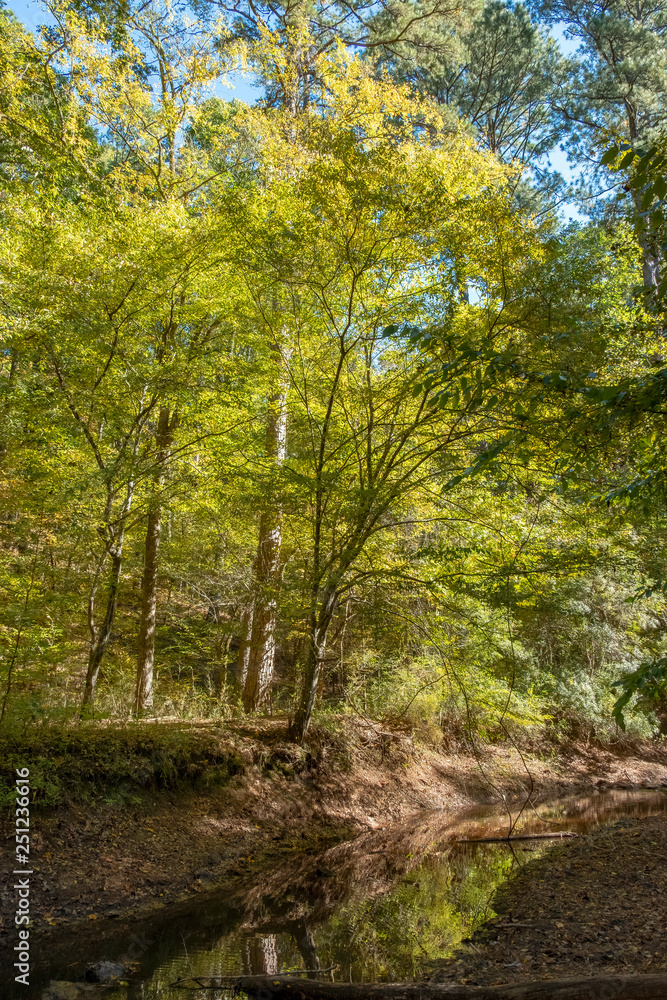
420, 897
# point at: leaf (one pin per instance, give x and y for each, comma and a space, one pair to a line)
609, 156
604, 394
647, 198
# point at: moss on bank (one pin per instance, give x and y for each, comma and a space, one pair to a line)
113, 763
118, 763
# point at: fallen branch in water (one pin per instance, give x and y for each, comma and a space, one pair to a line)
232, 982
510, 840
594, 988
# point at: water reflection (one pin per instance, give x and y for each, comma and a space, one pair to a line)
377, 907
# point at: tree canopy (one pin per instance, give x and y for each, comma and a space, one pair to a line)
316, 404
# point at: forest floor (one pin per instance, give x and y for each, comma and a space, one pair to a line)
106, 859
595, 905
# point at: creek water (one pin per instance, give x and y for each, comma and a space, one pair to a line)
378, 907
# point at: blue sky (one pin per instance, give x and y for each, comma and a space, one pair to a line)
32, 14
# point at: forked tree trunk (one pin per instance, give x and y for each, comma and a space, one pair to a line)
304, 939
317, 641
112, 530
304, 713
100, 637
143, 694
259, 655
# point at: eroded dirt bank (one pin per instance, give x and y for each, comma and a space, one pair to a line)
107, 860
593, 906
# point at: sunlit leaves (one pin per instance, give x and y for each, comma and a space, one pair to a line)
647, 682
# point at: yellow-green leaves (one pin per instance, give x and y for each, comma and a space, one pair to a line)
118, 107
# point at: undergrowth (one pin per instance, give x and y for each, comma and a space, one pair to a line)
113, 764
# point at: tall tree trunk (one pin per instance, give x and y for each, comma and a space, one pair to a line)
164, 436
317, 641
647, 242
244, 649
262, 647
650, 265
650, 252
101, 636
6, 409
304, 938
268, 572
261, 955
257, 655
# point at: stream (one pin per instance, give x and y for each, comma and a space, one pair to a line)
378, 907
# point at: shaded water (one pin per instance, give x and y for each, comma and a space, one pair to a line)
377, 907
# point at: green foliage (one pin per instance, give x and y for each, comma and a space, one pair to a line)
462, 382
422, 918
646, 171
613, 85
648, 682
85, 763
498, 81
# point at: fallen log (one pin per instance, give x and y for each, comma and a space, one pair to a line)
510, 840
232, 982
593, 988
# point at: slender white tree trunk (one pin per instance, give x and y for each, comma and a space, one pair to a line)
257, 658
244, 648
143, 695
